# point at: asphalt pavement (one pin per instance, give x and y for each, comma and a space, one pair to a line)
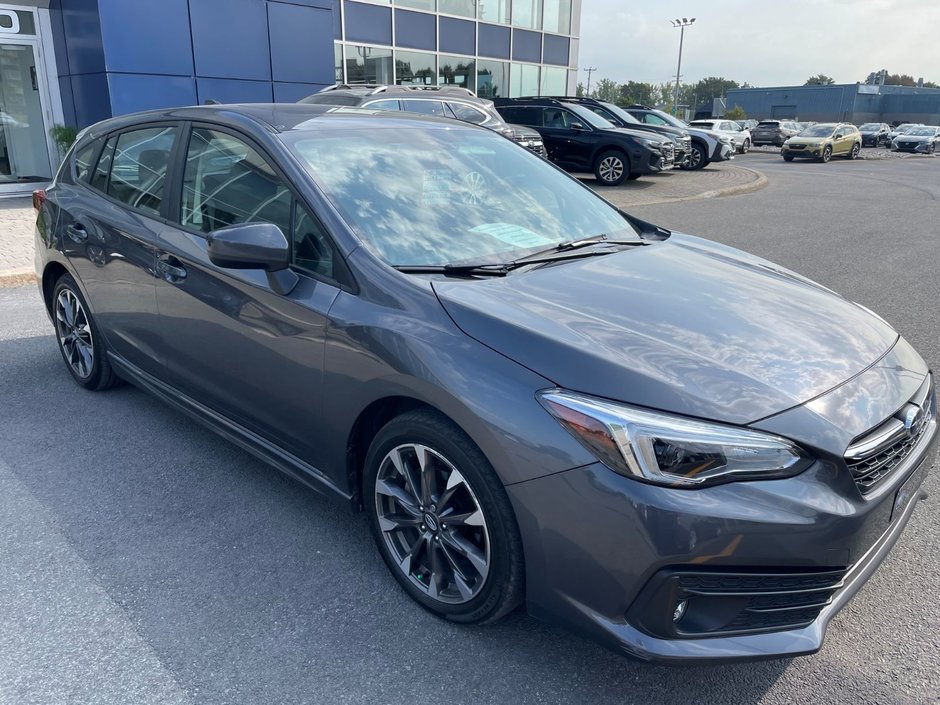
145, 560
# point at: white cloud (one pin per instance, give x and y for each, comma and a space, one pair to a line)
763, 43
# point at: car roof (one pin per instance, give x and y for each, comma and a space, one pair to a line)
280, 117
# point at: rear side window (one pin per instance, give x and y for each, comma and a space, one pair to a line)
428, 107
138, 172
226, 182
100, 178
384, 105
83, 163
467, 113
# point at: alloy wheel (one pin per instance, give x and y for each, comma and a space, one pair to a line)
74, 331
827, 154
432, 523
610, 168
695, 158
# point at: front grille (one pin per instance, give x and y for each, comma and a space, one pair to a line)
669, 154
797, 146
687, 145
907, 145
873, 457
754, 602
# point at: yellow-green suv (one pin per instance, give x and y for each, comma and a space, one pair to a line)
823, 141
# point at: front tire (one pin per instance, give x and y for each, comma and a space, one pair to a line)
746, 147
611, 168
697, 158
441, 519
826, 154
788, 158
79, 339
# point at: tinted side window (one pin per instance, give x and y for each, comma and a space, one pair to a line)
651, 119
83, 164
100, 178
468, 114
428, 107
384, 105
226, 182
311, 246
139, 169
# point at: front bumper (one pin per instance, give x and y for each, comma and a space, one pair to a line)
810, 151
723, 152
596, 541
912, 147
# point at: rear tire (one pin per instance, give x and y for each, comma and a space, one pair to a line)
421, 469
612, 168
853, 153
80, 342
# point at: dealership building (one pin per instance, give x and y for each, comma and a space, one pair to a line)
75, 62
841, 102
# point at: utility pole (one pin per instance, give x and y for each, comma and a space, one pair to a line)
590, 70
681, 24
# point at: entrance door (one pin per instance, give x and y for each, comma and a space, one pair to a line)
24, 144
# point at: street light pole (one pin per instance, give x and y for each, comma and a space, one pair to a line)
681, 24
590, 70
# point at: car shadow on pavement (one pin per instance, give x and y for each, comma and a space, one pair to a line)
251, 588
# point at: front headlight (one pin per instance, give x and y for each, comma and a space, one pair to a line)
725, 139
671, 450
655, 144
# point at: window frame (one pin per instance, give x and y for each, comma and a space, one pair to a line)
343, 278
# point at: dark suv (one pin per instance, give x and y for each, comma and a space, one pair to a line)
621, 118
580, 140
443, 101
774, 132
707, 145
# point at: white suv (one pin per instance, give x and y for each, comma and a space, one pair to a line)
738, 135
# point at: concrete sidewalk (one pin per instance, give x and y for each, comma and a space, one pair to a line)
17, 218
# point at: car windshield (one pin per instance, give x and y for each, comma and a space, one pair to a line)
818, 131
869, 127
922, 131
438, 196
621, 113
906, 129
769, 123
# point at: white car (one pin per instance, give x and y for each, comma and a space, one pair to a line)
738, 135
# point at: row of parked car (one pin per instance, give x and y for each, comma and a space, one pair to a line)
577, 134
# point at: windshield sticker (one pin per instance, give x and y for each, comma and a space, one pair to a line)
437, 187
514, 235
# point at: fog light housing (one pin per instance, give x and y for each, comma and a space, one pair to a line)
680, 610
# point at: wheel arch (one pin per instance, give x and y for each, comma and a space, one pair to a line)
50, 275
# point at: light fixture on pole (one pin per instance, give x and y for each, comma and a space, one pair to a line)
590, 70
681, 24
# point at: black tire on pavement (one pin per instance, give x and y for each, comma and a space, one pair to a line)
390, 489
788, 158
611, 168
79, 339
826, 154
698, 158
853, 153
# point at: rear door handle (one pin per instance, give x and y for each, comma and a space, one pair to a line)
76, 232
171, 269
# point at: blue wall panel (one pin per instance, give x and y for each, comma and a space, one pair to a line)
292, 92
555, 50
416, 30
526, 46
68, 100
92, 98
230, 39
337, 20
228, 90
83, 36
368, 23
301, 43
457, 36
131, 92
494, 41
145, 37
58, 39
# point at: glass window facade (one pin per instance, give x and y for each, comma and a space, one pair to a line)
523, 80
495, 11
461, 8
554, 81
415, 68
365, 64
428, 5
457, 71
492, 79
557, 17
527, 13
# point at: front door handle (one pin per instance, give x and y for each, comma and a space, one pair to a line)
171, 269
77, 232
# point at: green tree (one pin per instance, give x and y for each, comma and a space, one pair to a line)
636, 92
579, 91
895, 79
930, 84
607, 89
710, 88
820, 79
736, 113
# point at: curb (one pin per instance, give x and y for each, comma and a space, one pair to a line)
756, 185
17, 277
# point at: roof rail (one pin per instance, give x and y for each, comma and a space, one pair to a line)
374, 88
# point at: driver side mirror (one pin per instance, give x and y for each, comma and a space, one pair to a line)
254, 246
577, 126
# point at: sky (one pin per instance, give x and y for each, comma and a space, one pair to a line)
762, 42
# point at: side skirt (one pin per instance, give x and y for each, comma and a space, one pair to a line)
236, 433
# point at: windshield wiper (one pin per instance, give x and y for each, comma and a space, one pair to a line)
569, 245
498, 269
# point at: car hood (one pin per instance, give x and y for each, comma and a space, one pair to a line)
915, 138
799, 139
683, 325
640, 134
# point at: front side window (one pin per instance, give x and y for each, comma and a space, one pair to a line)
311, 247
138, 172
226, 182
435, 196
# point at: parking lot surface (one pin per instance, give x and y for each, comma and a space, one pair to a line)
145, 560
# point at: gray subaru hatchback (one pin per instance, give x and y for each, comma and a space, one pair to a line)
672, 447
